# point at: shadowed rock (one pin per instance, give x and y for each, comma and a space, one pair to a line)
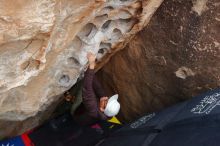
172, 59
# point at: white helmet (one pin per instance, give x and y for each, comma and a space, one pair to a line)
113, 106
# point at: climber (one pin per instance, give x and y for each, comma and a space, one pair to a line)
102, 109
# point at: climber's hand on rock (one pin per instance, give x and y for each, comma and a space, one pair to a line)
91, 58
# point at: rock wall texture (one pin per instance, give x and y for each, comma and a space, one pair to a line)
175, 57
43, 46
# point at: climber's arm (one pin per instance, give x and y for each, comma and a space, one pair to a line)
89, 98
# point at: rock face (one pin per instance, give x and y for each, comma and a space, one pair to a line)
43, 46
175, 57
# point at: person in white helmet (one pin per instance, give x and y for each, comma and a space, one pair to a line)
97, 105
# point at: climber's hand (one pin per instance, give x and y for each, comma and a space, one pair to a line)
68, 97
91, 58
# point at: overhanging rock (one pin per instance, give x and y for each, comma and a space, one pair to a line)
43, 46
